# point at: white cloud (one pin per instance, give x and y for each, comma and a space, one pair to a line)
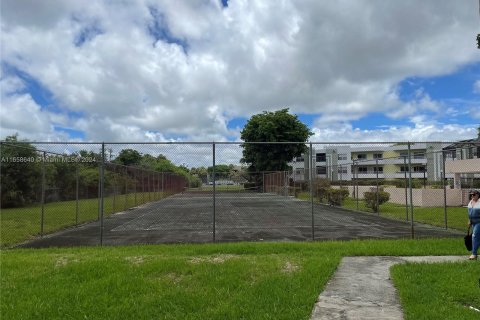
318, 57
476, 86
421, 129
19, 113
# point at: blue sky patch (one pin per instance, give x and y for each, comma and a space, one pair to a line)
160, 32
87, 34
41, 95
457, 84
43, 98
377, 121
237, 122
72, 133
446, 90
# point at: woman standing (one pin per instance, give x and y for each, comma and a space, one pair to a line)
474, 221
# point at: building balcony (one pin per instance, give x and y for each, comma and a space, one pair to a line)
369, 175
401, 175
413, 160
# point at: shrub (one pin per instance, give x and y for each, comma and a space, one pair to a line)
371, 199
248, 185
194, 182
336, 197
367, 182
321, 187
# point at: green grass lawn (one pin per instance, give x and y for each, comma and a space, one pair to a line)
20, 224
457, 217
438, 291
218, 281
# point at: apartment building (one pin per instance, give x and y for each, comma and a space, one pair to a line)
463, 160
346, 162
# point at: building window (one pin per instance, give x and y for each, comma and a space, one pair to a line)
362, 156
418, 155
321, 170
378, 156
299, 171
403, 169
342, 156
403, 154
363, 169
342, 170
299, 159
380, 169
419, 169
321, 157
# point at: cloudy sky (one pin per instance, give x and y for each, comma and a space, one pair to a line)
197, 70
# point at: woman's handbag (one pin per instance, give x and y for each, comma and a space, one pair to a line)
468, 240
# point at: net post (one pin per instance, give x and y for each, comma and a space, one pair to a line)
410, 187
310, 156
42, 218
213, 186
102, 182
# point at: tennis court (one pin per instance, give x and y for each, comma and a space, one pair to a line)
195, 217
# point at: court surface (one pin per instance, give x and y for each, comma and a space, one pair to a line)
189, 218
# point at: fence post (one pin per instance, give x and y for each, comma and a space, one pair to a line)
154, 185
135, 185
311, 189
376, 193
410, 186
424, 179
406, 185
149, 175
114, 189
143, 186
444, 178
294, 175
125, 206
76, 195
98, 189
213, 186
43, 196
355, 176
102, 184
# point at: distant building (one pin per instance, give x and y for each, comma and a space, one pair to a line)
463, 160
343, 163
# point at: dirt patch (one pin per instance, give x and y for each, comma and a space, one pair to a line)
174, 277
61, 262
218, 259
64, 260
136, 260
290, 267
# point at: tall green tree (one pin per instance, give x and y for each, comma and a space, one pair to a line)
20, 173
278, 126
222, 171
128, 157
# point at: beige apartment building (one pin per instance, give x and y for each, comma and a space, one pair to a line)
427, 161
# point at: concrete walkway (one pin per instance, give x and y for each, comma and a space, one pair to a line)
362, 289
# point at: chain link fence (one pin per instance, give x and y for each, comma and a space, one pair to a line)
198, 192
